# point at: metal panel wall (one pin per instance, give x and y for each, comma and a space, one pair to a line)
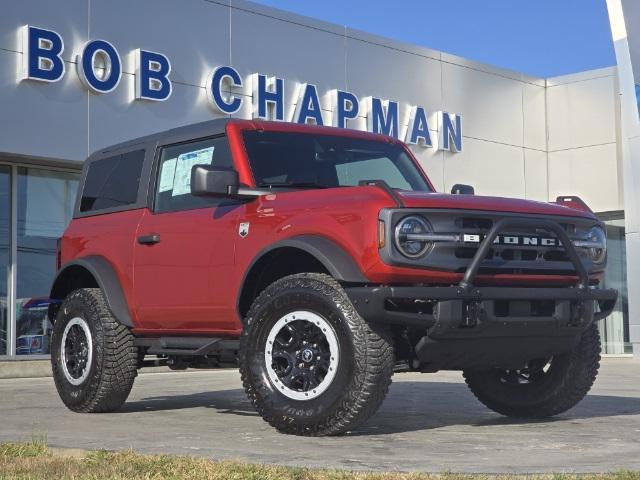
504, 112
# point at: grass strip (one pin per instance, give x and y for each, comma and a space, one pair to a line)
34, 460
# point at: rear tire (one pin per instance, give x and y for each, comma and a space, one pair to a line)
543, 388
294, 322
93, 357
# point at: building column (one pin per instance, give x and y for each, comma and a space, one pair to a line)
630, 139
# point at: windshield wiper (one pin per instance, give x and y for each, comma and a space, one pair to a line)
291, 185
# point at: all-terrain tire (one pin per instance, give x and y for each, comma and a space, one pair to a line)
113, 367
566, 382
363, 373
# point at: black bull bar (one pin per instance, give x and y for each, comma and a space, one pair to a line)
469, 311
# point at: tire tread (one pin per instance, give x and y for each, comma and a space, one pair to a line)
373, 354
116, 357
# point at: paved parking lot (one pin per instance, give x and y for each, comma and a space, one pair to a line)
427, 423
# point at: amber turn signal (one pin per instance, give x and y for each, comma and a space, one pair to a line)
381, 234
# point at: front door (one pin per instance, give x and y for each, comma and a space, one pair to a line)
185, 247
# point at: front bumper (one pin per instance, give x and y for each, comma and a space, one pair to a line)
468, 326
457, 312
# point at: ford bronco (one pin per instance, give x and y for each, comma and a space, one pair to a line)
320, 260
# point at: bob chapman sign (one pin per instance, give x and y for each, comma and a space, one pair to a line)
99, 67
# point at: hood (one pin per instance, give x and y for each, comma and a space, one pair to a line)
492, 204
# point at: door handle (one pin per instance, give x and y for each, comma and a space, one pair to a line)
150, 239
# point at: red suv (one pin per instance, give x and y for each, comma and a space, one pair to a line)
321, 260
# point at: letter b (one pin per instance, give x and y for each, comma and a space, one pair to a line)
41, 54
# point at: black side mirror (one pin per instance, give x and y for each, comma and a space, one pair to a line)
462, 189
207, 180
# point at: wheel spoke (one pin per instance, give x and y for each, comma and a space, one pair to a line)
76, 349
532, 372
301, 357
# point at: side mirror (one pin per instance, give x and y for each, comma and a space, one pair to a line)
462, 189
207, 180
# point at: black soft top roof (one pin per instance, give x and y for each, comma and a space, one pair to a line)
202, 129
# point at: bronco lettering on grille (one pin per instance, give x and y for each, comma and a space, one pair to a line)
522, 240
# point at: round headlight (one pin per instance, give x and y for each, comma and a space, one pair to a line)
598, 252
406, 232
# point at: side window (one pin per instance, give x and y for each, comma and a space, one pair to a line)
112, 182
173, 185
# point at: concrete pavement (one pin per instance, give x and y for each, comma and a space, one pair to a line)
429, 422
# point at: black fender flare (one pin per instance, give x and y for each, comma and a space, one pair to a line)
328, 253
106, 278
332, 256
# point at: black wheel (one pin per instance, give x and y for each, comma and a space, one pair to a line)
309, 363
93, 357
544, 387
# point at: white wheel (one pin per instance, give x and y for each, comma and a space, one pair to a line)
76, 351
302, 355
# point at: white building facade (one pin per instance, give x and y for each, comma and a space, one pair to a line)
505, 133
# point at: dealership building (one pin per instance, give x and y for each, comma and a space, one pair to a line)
79, 75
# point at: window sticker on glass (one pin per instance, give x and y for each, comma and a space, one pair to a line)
182, 178
167, 175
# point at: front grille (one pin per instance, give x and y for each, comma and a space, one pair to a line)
481, 225
537, 251
470, 252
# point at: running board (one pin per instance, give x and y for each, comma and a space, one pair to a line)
187, 346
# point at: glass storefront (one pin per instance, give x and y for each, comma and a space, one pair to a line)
5, 255
614, 330
44, 201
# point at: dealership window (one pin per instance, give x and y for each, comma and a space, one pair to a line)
614, 330
5, 256
41, 201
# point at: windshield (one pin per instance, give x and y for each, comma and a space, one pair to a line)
307, 160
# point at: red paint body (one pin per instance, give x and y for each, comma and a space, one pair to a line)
190, 282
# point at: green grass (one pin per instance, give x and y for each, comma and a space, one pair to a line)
34, 448
34, 460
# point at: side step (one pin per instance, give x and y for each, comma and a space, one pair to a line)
187, 346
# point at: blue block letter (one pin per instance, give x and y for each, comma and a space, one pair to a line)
152, 76
99, 66
41, 54
219, 76
450, 132
308, 105
345, 106
418, 128
268, 97
382, 117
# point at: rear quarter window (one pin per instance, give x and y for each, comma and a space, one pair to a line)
112, 182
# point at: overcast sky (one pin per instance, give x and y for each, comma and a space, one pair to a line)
540, 37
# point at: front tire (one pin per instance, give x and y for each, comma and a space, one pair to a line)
309, 363
93, 357
543, 388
